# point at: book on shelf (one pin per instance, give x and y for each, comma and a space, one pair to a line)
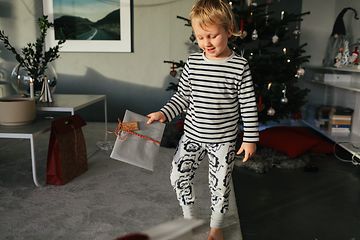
342, 114
340, 122
341, 117
341, 127
344, 131
323, 116
334, 118
342, 111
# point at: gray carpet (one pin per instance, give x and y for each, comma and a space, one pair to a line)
266, 158
109, 200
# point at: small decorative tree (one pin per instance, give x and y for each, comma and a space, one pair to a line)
34, 57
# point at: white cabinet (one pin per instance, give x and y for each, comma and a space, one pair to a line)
336, 87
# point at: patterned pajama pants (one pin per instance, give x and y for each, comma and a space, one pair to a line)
187, 158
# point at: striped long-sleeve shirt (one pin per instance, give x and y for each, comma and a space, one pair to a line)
215, 94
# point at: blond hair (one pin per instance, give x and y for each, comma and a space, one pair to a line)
210, 12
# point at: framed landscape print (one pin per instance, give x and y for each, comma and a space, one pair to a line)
90, 25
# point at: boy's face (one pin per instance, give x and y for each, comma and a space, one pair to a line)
212, 39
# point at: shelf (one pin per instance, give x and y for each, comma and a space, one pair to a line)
336, 137
332, 80
351, 86
348, 141
349, 69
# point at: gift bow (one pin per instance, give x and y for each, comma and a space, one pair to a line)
130, 127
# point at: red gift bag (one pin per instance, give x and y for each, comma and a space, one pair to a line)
67, 157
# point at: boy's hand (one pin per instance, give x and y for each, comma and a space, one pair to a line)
248, 149
156, 116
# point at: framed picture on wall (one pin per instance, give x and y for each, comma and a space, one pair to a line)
90, 25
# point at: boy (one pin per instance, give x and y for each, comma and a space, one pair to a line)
216, 91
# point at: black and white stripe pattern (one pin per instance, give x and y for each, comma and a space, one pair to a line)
215, 94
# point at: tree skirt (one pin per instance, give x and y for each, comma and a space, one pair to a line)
267, 158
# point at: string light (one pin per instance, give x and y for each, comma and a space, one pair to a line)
282, 15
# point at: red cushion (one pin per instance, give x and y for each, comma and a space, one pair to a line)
324, 146
293, 141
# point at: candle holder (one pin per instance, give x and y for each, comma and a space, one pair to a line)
21, 81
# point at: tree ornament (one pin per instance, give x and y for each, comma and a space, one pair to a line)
282, 15
275, 39
271, 111
242, 33
284, 99
300, 72
254, 35
297, 31
251, 55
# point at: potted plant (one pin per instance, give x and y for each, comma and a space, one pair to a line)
34, 58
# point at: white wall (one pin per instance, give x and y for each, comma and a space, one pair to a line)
135, 81
316, 29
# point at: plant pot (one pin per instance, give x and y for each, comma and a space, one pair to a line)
17, 111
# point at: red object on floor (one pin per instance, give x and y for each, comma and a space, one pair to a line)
294, 141
134, 236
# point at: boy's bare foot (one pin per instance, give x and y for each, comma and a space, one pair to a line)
216, 234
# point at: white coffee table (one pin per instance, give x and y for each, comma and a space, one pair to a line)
73, 102
62, 103
29, 131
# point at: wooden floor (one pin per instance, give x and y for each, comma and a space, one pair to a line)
298, 204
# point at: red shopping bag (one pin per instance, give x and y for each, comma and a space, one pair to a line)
67, 157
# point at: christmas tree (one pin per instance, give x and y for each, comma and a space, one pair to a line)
269, 40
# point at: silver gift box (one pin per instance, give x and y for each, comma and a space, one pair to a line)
140, 148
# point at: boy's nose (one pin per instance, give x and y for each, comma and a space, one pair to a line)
207, 42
